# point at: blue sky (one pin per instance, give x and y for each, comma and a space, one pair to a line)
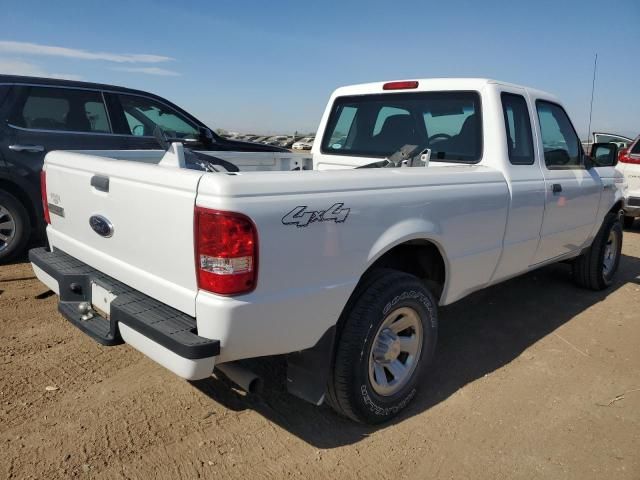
270, 66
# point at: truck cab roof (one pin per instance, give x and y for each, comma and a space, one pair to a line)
437, 84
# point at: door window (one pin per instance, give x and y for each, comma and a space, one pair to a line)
561, 145
65, 109
518, 129
143, 114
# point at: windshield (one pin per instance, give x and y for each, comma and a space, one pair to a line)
449, 123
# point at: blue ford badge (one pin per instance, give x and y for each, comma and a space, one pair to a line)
101, 225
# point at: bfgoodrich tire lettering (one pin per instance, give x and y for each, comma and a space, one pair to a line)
387, 296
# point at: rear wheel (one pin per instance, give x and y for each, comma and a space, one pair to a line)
628, 221
596, 268
387, 341
15, 227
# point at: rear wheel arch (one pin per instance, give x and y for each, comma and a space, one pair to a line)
431, 267
421, 257
24, 196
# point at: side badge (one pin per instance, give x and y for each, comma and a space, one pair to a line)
101, 225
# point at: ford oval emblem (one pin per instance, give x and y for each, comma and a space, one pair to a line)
101, 225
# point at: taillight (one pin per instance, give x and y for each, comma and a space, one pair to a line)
404, 85
43, 194
625, 157
226, 252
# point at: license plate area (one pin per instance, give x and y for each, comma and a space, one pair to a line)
101, 299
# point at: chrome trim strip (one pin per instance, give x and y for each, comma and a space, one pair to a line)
75, 132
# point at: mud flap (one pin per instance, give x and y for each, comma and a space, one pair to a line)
308, 370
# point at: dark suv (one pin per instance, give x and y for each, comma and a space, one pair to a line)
40, 114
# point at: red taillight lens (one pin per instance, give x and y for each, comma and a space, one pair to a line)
405, 85
226, 252
625, 157
43, 193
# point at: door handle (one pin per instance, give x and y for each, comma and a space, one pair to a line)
556, 188
100, 183
27, 148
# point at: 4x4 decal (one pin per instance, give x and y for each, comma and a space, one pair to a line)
301, 217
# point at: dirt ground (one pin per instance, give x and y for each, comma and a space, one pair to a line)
534, 378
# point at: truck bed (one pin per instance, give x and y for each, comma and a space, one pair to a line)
311, 267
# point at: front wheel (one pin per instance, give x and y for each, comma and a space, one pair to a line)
596, 268
388, 339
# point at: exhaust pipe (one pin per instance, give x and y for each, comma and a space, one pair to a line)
244, 378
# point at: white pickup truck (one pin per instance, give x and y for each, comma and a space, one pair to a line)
463, 183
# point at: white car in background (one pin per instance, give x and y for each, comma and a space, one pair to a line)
303, 144
601, 137
629, 165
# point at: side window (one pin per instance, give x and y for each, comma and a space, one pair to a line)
518, 129
635, 150
562, 148
144, 114
65, 109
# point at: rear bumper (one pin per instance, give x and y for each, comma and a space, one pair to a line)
164, 334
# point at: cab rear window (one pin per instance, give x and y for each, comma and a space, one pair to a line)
448, 123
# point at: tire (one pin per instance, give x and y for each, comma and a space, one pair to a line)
15, 227
363, 385
596, 268
628, 221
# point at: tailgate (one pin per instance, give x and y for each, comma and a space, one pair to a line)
129, 220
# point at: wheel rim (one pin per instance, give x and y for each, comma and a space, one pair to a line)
396, 351
610, 253
7, 228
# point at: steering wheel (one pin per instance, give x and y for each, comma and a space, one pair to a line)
443, 136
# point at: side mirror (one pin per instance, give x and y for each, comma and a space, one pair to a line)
205, 136
604, 154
